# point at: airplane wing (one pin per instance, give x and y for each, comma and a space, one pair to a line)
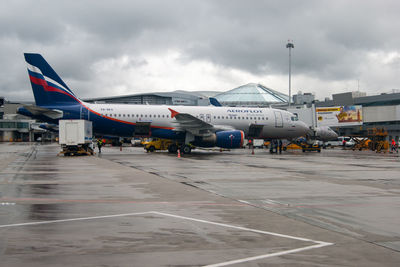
51, 113
187, 122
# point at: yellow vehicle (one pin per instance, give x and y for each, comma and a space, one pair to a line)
315, 146
160, 144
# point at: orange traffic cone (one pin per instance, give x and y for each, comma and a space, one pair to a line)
179, 153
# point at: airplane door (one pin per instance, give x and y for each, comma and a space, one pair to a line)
208, 118
84, 113
278, 119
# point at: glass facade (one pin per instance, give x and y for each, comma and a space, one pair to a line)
13, 125
252, 94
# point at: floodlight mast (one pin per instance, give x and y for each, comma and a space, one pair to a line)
290, 46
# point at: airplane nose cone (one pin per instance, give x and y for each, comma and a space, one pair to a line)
303, 128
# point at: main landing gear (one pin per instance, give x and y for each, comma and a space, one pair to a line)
186, 149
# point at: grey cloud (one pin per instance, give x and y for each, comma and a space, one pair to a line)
332, 38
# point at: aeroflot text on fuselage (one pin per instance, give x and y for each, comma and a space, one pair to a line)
245, 111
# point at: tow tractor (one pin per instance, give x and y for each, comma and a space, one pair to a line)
160, 144
172, 146
310, 146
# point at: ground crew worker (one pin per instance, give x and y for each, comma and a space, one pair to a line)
99, 144
393, 146
280, 146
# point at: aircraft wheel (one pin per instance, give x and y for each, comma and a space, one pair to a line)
186, 149
152, 149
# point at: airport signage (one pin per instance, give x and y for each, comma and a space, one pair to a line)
339, 116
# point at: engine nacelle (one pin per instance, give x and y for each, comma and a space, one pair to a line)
223, 139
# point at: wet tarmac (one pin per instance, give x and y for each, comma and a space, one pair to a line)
131, 208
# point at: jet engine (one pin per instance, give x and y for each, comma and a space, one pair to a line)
223, 139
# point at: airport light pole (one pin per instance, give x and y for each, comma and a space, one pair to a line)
290, 46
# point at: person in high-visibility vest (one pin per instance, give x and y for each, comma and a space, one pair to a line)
99, 144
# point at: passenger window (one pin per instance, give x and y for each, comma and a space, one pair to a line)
124, 115
150, 115
218, 117
163, 116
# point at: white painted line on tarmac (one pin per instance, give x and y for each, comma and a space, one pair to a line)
319, 244
75, 219
238, 227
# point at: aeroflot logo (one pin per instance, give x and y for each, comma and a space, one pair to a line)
245, 111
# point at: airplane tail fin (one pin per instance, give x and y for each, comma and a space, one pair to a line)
48, 88
215, 102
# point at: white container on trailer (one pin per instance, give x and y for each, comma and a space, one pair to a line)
75, 132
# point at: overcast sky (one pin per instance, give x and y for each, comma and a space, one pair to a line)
108, 48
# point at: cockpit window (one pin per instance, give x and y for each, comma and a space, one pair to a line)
294, 118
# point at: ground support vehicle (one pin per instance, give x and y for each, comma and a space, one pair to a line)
315, 146
361, 143
161, 144
378, 140
291, 146
75, 137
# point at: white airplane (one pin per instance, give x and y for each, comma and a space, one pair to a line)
325, 133
210, 126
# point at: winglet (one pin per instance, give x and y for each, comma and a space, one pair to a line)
173, 112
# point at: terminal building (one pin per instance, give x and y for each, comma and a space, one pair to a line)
14, 127
252, 95
173, 98
369, 112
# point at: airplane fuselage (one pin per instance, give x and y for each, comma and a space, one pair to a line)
122, 119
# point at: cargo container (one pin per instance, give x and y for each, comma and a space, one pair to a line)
75, 137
